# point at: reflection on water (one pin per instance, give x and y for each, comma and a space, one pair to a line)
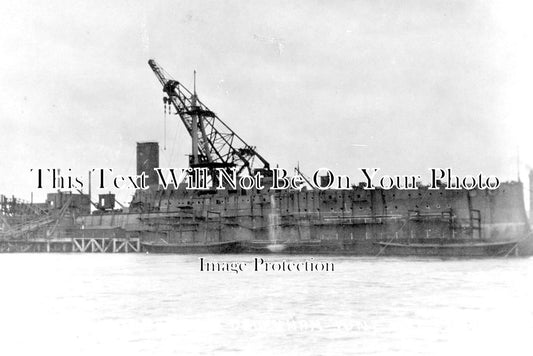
70, 304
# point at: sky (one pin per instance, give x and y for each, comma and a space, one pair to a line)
398, 85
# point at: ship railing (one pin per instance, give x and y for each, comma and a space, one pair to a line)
344, 216
417, 214
336, 217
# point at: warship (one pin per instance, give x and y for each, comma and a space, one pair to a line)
355, 221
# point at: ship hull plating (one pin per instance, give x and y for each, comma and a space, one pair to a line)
352, 222
192, 248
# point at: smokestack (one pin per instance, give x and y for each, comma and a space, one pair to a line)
90, 192
147, 161
531, 196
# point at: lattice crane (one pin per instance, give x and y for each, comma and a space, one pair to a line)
214, 144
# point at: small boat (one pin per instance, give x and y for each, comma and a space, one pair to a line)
294, 247
457, 248
193, 247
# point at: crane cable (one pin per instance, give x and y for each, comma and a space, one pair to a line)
164, 123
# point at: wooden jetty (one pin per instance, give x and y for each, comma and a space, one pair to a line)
74, 244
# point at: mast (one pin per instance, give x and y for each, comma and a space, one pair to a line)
194, 135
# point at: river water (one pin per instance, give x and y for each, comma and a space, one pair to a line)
138, 304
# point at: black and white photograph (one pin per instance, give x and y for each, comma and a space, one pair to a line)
301, 177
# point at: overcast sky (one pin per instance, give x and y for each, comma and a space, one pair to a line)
399, 85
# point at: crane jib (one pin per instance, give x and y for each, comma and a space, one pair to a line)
220, 145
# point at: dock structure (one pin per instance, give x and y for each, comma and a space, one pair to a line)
103, 240
74, 244
103, 245
51, 227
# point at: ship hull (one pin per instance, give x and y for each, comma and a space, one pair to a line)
319, 247
356, 222
455, 249
192, 248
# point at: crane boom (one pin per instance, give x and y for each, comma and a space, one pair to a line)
217, 145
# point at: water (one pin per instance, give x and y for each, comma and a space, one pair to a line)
137, 304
